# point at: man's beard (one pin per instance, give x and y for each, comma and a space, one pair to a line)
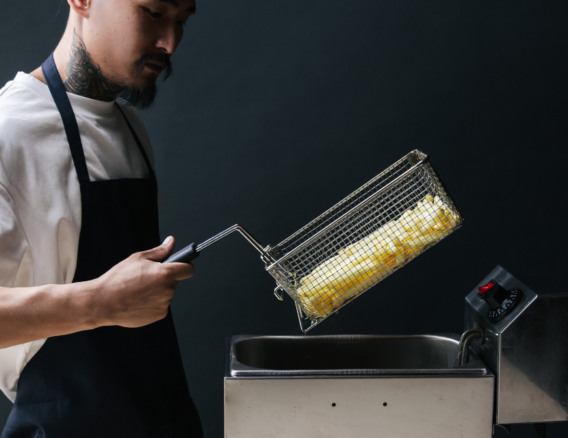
143, 96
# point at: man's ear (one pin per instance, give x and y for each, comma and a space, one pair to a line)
80, 7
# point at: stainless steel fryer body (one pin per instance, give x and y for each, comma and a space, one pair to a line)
415, 393
425, 407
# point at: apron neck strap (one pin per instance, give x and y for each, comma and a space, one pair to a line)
63, 104
61, 99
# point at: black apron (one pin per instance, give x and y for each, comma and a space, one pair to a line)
111, 381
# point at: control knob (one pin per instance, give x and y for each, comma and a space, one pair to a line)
500, 300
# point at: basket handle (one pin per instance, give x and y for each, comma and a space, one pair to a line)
184, 255
192, 251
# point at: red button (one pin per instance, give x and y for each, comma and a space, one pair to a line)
485, 288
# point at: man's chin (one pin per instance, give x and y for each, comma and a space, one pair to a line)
139, 97
142, 94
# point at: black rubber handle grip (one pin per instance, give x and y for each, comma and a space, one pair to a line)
184, 255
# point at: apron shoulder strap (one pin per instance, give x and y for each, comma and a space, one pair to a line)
63, 104
138, 142
61, 99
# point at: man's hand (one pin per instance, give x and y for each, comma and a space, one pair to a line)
134, 293
138, 290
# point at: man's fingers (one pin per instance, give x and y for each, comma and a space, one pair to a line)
176, 271
162, 252
180, 271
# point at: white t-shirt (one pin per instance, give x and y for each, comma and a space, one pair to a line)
40, 198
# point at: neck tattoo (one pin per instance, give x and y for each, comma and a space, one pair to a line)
84, 77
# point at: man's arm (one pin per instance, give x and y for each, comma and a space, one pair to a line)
134, 293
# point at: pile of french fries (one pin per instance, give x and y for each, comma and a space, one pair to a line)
362, 264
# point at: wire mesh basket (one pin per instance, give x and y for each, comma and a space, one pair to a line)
363, 239
358, 242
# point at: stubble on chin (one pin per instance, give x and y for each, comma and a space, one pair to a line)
143, 96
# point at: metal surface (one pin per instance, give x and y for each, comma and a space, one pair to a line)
348, 355
528, 352
466, 339
362, 406
244, 233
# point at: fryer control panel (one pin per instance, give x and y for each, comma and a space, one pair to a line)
497, 299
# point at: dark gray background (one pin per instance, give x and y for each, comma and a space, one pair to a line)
276, 110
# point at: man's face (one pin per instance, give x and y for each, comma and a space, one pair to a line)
132, 41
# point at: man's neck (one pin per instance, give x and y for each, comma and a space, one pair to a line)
84, 77
80, 75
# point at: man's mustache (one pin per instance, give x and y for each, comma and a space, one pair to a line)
161, 58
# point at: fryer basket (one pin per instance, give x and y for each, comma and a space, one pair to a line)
358, 242
384, 199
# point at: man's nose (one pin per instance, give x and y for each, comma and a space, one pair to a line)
168, 39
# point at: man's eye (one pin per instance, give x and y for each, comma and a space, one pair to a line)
181, 23
153, 14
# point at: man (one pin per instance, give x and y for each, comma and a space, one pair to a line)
87, 342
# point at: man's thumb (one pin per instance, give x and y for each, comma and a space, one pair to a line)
160, 253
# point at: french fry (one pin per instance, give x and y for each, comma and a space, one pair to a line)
362, 264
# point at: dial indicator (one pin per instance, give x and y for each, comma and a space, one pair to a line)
506, 306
